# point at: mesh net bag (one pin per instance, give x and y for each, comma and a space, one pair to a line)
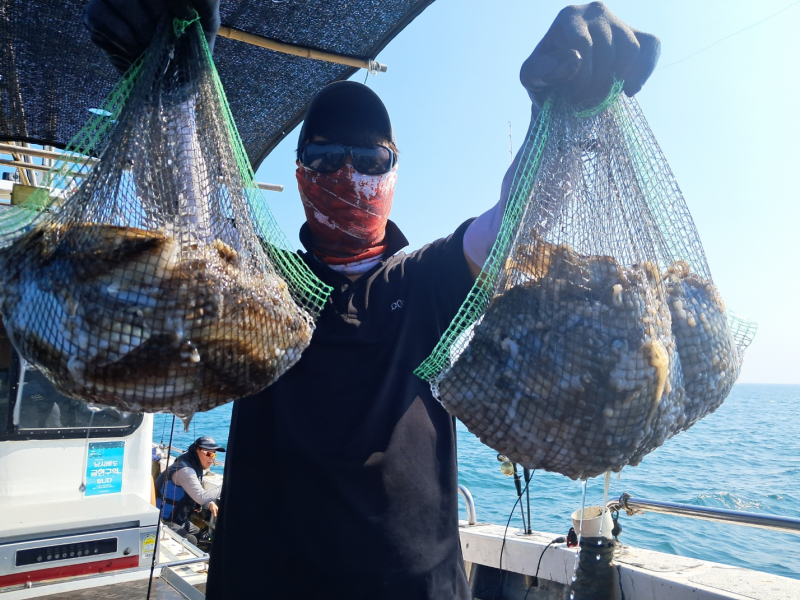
147, 274
596, 331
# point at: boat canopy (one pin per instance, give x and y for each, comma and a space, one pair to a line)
52, 75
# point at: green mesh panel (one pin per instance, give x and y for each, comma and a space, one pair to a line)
743, 330
481, 293
678, 237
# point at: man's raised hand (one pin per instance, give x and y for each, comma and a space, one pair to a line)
124, 28
584, 50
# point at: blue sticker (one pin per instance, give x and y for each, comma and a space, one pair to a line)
104, 468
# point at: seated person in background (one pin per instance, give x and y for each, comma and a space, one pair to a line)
180, 488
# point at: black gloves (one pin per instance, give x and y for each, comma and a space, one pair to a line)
124, 28
582, 52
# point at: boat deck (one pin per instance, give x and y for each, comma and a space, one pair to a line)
170, 582
128, 590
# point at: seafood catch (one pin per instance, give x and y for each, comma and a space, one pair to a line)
583, 353
580, 366
159, 280
710, 359
139, 322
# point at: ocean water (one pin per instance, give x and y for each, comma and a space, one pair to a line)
745, 456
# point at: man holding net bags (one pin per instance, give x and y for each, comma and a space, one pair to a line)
349, 457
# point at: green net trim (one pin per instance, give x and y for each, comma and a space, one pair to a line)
179, 26
76, 162
742, 329
306, 289
482, 291
611, 99
679, 235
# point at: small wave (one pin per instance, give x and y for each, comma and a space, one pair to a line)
726, 500
667, 547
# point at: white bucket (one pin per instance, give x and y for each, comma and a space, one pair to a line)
591, 522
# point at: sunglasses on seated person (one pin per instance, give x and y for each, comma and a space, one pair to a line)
325, 157
209, 453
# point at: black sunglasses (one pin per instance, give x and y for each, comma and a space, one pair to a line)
328, 158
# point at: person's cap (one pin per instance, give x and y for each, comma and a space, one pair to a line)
206, 442
346, 102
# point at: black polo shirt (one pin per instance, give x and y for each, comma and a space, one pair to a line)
341, 478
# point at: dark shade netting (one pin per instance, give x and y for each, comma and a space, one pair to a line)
159, 281
268, 91
597, 332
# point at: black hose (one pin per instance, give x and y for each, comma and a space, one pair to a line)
518, 485
527, 473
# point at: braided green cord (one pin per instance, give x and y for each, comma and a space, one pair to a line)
613, 95
179, 26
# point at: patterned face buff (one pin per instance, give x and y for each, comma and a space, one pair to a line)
347, 212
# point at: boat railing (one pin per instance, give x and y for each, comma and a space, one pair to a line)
634, 506
471, 515
183, 561
198, 555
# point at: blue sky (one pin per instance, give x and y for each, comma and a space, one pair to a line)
727, 120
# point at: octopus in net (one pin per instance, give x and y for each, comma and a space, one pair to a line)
133, 319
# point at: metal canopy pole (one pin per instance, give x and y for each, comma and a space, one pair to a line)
74, 158
65, 156
34, 167
23, 175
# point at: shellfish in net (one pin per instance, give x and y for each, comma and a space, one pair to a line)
595, 332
